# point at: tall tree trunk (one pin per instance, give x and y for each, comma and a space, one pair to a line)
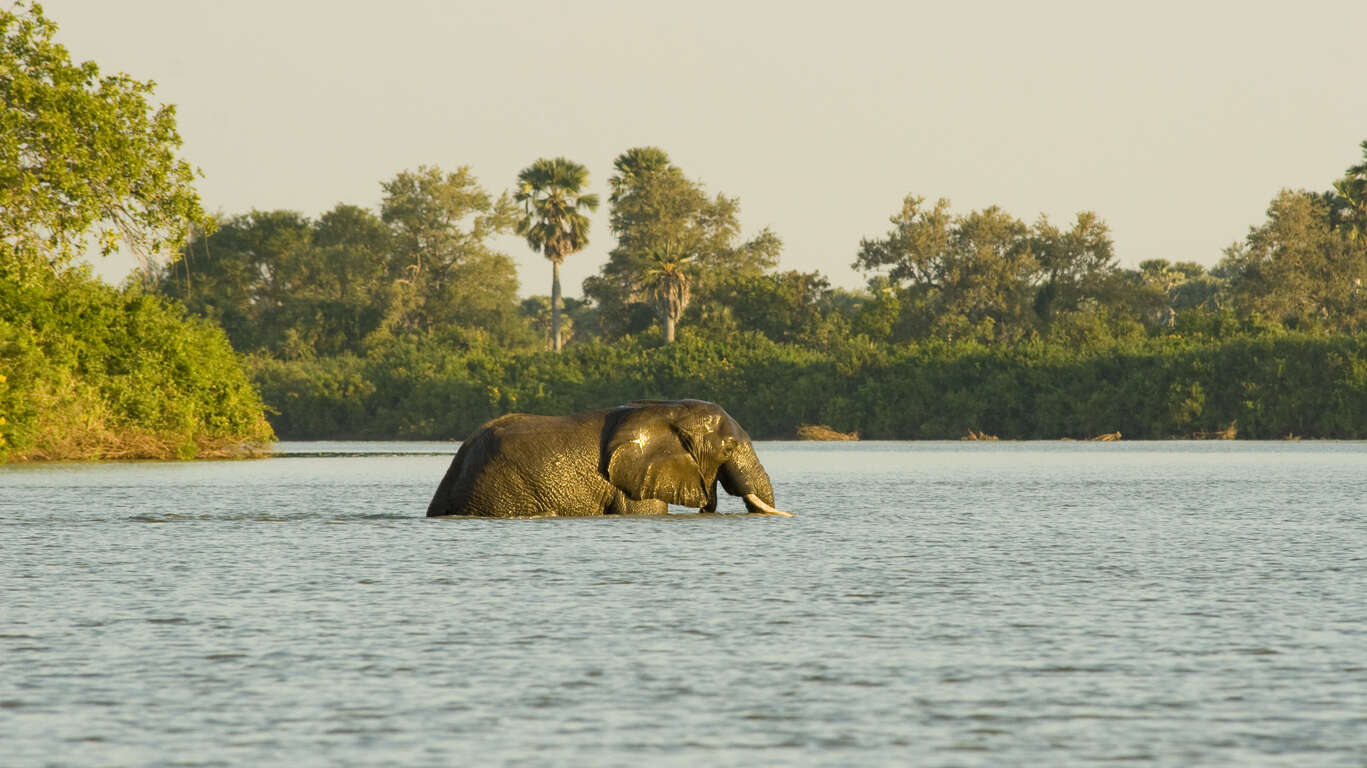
555, 306
669, 328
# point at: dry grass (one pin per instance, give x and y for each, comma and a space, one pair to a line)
978, 436
135, 445
823, 432
1228, 433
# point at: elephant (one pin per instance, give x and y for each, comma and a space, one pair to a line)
634, 459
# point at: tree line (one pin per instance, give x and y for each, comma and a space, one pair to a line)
405, 323
291, 288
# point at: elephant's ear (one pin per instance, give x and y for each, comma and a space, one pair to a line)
649, 455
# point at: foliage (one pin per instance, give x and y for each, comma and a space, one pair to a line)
92, 372
294, 288
88, 371
1266, 385
986, 275
440, 224
792, 306
1075, 265
1298, 269
668, 283
82, 154
674, 244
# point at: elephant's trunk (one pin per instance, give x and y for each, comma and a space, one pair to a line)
745, 477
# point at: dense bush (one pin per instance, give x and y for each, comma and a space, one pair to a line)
88, 372
1262, 385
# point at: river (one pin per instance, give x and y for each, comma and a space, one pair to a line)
938, 604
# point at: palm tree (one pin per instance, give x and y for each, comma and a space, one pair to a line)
668, 282
1353, 189
549, 191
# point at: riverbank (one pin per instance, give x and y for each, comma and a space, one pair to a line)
137, 446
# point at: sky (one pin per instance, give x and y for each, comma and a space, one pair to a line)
1176, 122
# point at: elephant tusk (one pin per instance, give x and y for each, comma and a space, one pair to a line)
765, 509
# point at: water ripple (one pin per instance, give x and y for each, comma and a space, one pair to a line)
1021, 604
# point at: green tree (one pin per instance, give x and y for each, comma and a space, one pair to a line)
1159, 291
1075, 265
986, 275
791, 306
670, 236
876, 314
244, 276
295, 288
82, 155
1297, 268
970, 276
633, 170
551, 192
350, 288
445, 273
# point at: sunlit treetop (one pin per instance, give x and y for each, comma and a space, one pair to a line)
551, 192
1352, 190
84, 158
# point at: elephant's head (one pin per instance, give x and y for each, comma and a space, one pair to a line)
677, 451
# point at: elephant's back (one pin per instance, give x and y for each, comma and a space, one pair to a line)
520, 425
536, 447
545, 463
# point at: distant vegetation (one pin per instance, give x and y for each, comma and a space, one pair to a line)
1260, 385
406, 322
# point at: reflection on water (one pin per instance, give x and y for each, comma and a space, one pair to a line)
934, 603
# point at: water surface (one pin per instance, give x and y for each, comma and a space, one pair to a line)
948, 604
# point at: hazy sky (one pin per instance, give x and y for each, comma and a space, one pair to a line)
1177, 122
